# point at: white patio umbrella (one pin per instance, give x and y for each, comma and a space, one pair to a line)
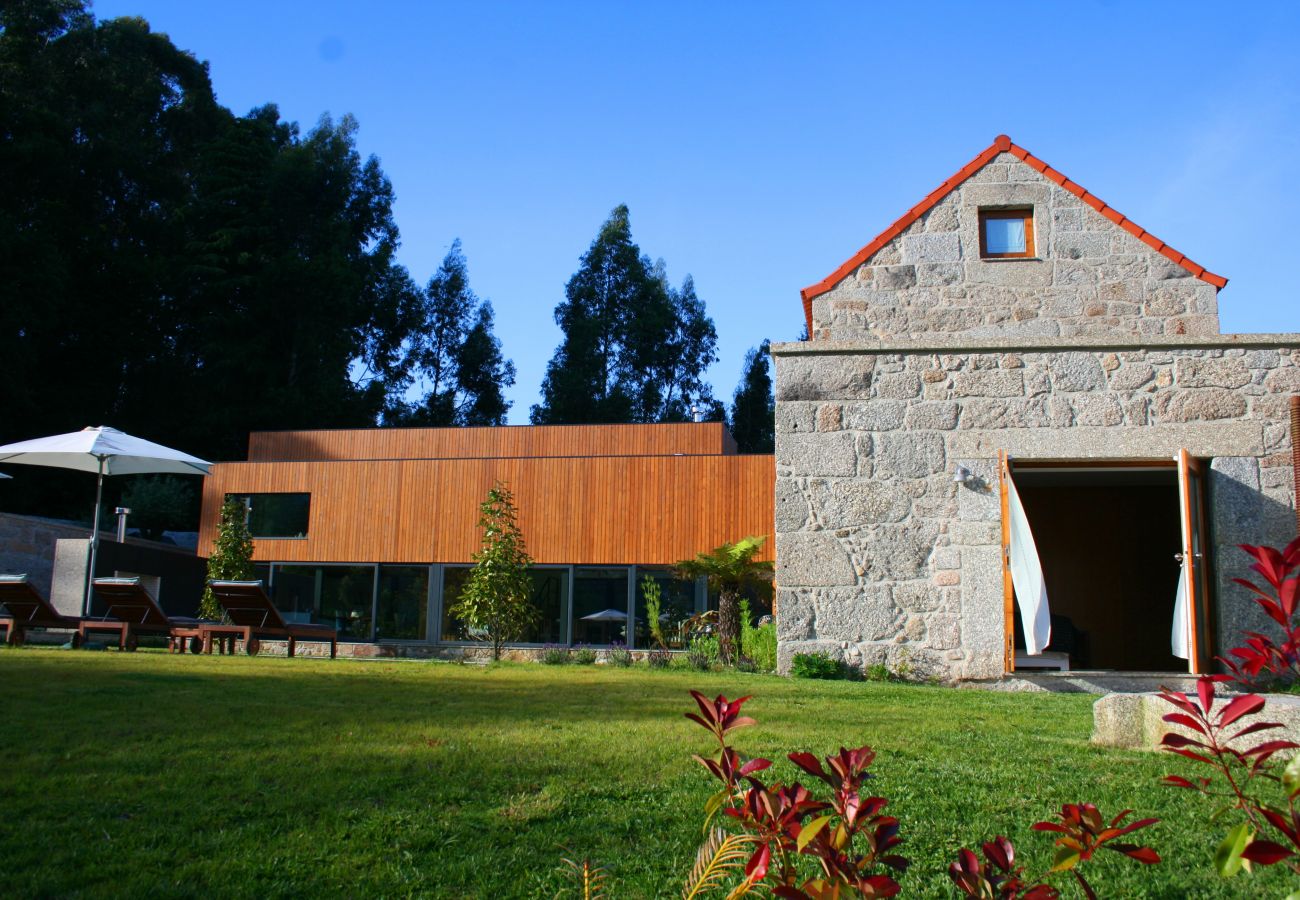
4, 476
105, 451
606, 615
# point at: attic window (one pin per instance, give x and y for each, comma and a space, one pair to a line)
1006, 233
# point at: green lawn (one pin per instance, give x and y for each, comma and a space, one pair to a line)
147, 774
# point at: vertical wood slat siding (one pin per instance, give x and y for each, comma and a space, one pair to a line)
708, 438
599, 510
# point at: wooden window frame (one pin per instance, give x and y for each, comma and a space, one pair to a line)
1026, 213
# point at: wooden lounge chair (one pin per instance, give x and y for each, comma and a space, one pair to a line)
22, 607
132, 612
254, 616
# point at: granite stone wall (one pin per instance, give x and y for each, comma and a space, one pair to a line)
1090, 277
882, 558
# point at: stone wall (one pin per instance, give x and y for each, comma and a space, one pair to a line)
882, 558
27, 547
1090, 277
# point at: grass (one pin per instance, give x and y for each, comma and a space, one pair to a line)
146, 774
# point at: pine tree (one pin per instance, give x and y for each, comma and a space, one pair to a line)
634, 349
753, 411
232, 557
497, 598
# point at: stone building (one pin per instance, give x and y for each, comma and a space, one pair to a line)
1012, 314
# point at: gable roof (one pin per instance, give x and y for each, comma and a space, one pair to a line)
1001, 144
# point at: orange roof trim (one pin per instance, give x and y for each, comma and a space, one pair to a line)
1001, 144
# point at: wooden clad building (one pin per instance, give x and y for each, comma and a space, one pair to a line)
372, 530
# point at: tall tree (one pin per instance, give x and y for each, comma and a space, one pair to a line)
634, 349
753, 409
456, 355
163, 254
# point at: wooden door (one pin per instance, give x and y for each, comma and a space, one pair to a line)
1195, 556
1008, 589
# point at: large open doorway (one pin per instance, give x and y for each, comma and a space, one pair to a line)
1111, 540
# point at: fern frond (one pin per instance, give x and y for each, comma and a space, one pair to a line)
588, 877
719, 856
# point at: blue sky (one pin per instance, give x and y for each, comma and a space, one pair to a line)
759, 145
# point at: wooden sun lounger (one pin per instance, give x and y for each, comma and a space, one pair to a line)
22, 607
132, 612
254, 616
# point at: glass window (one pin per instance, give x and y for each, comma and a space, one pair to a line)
402, 611
277, 515
338, 596
1006, 233
600, 605
676, 607
453, 582
550, 596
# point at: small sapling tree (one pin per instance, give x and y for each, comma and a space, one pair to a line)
232, 557
497, 598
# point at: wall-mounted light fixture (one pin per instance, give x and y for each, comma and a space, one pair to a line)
963, 475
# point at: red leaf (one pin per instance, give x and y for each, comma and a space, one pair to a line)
1185, 720
1144, 855
756, 870
1205, 691
1253, 728
1240, 706
1266, 853
1049, 826
1172, 740
1178, 781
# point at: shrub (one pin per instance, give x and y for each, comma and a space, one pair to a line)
658, 658
652, 596
757, 644
789, 843
703, 653
555, 654
584, 655
618, 655
816, 665
877, 672
1244, 770
232, 557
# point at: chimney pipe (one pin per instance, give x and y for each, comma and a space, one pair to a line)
1295, 455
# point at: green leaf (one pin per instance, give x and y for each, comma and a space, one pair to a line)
1227, 858
810, 831
1066, 858
1291, 775
711, 808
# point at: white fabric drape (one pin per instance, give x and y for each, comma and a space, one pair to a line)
1181, 638
1027, 577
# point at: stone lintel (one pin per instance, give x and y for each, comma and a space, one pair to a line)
1207, 439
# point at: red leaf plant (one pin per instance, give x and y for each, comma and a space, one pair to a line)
1082, 832
1216, 741
802, 848
1280, 570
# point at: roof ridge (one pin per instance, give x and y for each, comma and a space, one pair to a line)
1001, 144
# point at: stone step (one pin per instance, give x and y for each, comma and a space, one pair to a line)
1087, 682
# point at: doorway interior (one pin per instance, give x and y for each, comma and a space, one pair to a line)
1109, 539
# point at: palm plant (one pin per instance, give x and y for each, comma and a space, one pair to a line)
730, 569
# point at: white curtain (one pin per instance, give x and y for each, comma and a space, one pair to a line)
1027, 577
1181, 639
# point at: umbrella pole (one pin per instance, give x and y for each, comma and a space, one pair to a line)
94, 540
